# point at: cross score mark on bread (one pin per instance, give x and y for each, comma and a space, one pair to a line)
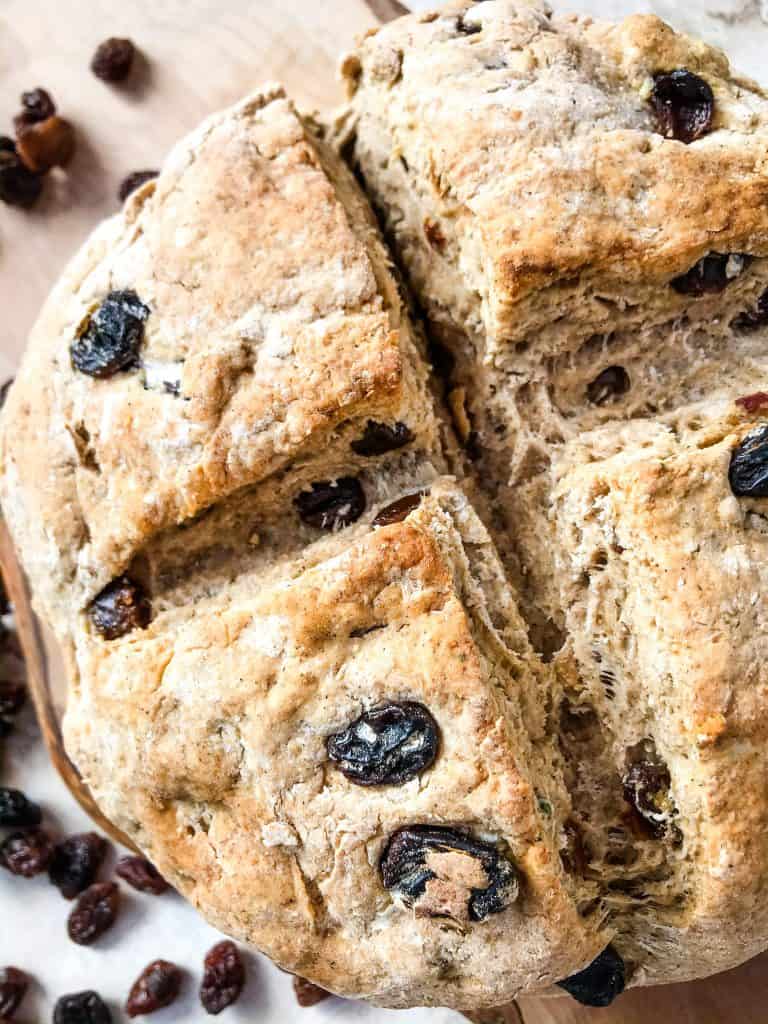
302, 678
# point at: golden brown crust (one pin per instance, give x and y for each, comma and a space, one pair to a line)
220, 724
529, 139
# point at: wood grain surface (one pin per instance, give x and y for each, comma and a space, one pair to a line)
198, 56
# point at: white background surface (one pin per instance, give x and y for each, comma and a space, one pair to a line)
33, 915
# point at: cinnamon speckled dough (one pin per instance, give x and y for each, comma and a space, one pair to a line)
203, 737
542, 219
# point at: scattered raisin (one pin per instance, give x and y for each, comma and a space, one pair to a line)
94, 913
157, 986
387, 745
113, 59
81, 1008
380, 438
13, 693
18, 185
754, 402
754, 318
684, 105
332, 504
6, 728
416, 855
46, 144
7, 145
76, 862
712, 274
646, 787
4, 389
748, 471
133, 181
398, 510
308, 994
13, 987
141, 875
110, 338
16, 811
26, 853
223, 977
120, 608
611, 383
600, 983
38, 103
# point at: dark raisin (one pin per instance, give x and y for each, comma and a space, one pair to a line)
684, 105
94, 913
16, 811
399, 510
157, 986
26, 853
417, 855
754, 318
13, 693
38, 103
754, 402
46, 144
712, 274
332, 504
646, 787
113, 59
133, 181
110, 338
380, 438
81, 1008
308, 994
387, 745
748, 471
141, 875
6, 728
76, 862
608, 385
7, 144
4, 389
600, 983
119, 608
13, 987
223, 977
18, 185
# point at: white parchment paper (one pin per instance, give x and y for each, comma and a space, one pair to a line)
33, 918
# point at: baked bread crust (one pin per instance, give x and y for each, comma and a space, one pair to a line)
550, 229
594, 759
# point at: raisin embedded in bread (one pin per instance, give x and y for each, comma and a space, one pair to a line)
236, 325
580, 209
222, 763
299, 677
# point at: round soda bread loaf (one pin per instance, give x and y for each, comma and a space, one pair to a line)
302, 679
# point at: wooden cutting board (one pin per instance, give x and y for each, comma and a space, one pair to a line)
197, 56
